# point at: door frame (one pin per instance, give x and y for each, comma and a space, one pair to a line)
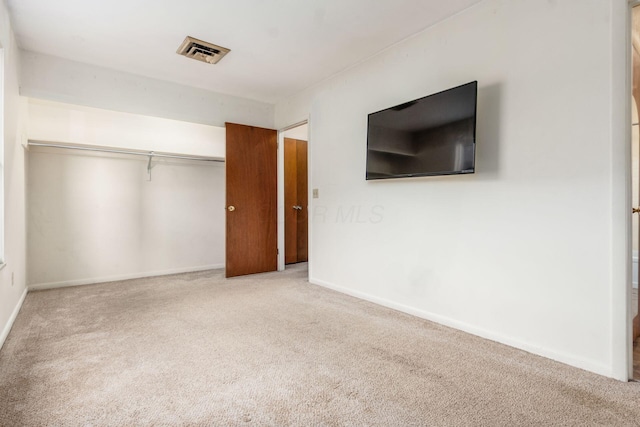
629, 88
281, 263
621, 230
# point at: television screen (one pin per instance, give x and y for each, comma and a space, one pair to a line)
434, 135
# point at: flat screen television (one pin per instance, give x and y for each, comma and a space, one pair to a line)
434, 135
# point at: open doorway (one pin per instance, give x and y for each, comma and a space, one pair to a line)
294, 194
635, 182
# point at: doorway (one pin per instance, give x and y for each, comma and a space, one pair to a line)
294, 195
635, 182
255, 160
295, 201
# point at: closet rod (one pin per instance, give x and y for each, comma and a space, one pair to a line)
135, 153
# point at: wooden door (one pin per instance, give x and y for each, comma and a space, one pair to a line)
252, 216
295, 201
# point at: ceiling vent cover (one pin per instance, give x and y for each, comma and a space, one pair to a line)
202, 51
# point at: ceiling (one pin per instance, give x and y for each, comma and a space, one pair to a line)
278, 47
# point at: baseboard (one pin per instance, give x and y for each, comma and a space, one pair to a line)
12, 318
474, 330
93, 281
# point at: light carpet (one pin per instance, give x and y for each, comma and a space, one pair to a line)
197, 350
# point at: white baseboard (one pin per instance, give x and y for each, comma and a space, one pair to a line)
510, 341
93, 281
12, 318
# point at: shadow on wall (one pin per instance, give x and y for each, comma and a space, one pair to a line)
488, 131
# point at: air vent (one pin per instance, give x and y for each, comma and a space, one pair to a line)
202, 51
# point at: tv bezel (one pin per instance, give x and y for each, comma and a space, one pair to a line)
437, 173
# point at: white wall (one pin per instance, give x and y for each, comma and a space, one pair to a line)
12, 276
97, 217
521, 251
61, 80
74, 124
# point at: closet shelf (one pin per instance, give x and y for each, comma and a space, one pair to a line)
35, 143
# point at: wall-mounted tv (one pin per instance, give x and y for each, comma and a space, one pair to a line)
434, 135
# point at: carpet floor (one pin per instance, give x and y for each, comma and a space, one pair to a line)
198, 350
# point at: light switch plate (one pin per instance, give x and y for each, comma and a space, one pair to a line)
315, 193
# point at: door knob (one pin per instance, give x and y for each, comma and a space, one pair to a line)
635, 210
297, 207
231, 208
